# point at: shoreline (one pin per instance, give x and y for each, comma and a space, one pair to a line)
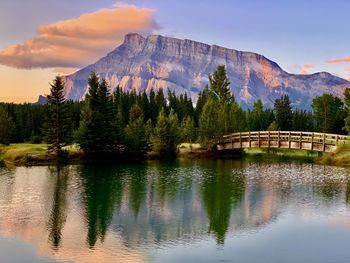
16, 155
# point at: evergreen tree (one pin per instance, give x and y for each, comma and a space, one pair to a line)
188, 131
6, 127
160, 101
153, 107
215, 119
329, 113
166, 135
347, 109
283, 113
202, 99
219, 86
96, 134
302, 121
237, 118
137, 133
209, 124
57, 128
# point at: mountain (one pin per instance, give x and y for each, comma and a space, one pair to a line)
160, 62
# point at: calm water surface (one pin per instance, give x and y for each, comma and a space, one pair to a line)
186, 211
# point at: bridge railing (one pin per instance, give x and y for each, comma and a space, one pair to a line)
291, 136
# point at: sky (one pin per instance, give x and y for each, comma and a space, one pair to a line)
43, 38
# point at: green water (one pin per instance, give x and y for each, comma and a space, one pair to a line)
185, 211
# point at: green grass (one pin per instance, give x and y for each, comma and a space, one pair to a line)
282, 152
15, 154
340, 157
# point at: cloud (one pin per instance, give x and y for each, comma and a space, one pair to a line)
305, 69
65, 71
80, 41
339, 60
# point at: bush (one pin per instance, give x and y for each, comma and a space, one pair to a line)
36, 139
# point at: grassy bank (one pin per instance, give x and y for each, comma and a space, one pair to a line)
341, 157
36, 154
32, 154
288, 153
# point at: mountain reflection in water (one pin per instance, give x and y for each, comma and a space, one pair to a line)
131, 213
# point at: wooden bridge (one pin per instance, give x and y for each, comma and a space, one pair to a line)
313, 141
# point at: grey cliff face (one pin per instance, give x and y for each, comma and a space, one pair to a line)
184, 65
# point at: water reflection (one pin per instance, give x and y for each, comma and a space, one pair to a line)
130, 213
58, 213
221, 191
102, 193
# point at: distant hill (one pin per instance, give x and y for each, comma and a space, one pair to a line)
160, 62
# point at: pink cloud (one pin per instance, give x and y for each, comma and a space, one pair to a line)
79, 41
339, 60
305, 69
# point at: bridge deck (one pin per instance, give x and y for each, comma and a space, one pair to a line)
323, 142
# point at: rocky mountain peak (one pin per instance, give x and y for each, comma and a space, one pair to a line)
183, 65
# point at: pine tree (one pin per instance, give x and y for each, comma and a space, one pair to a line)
137, 133
96, 134
329, 113
283, 113
6, 127
188, 131
210, 126
219, 86
58, 123
166, 135
347, 108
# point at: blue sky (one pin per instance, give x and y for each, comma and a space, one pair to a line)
301, 36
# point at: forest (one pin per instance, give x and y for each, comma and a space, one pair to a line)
127, 123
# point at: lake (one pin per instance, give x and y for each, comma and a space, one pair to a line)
182, 211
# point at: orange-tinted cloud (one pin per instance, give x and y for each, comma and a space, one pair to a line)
305, 69
79, 41
339, 60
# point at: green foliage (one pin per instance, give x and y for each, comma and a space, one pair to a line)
219, 86
188, 131
210, 127
58, 121
96, 134
302, 121
137, 133
218, 113
283, 113
6, 127
347, 108
259, 119
329, 113
273, 126
166, 135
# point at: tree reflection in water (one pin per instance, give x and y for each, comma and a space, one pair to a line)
221, 191
102, 195
58, 213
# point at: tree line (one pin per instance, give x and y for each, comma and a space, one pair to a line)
127, 123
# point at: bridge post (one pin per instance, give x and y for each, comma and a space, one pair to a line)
300, 140
279, 144
336, 140
231, 141
312, 142
259, 139
268, 140
324, 143
250, 141
240, 140
289, 138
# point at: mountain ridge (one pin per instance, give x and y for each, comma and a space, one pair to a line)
155, 61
